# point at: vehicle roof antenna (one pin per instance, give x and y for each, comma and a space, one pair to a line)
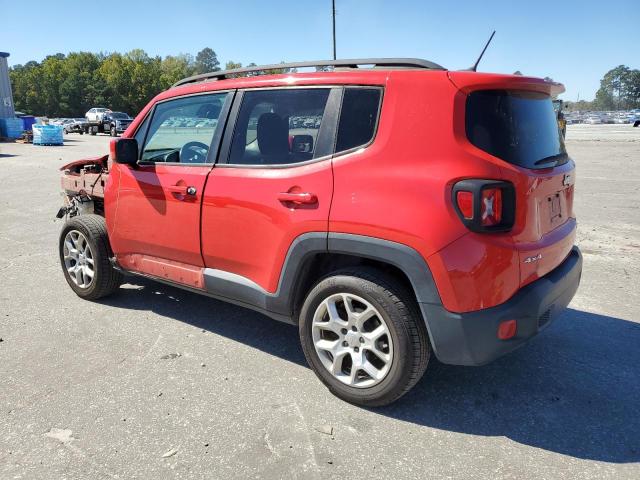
475, 65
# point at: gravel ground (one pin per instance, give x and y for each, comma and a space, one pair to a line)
159, 383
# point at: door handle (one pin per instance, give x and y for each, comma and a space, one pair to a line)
182, 189
297, 198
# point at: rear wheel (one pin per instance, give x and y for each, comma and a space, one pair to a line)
363, 337
84, 256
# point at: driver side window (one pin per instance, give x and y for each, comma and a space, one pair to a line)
181, 130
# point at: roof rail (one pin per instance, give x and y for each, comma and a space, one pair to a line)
348, 63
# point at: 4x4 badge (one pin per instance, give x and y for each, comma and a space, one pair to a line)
533, 259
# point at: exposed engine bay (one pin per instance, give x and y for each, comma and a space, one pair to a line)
83, 183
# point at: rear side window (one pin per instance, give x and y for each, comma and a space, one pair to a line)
278, 127
516, 126
358, 117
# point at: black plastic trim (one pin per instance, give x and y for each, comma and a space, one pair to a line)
397, 254
471, 338
279, 305
243, 291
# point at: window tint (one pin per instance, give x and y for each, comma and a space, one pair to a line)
358, 117
516, 126
278, 126
181, 130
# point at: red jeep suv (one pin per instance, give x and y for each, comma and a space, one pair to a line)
390, 208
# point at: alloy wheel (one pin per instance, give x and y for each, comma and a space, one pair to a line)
78, 259
352, 340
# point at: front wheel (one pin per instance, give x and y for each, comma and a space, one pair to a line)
84, 256
363, 337
113, 132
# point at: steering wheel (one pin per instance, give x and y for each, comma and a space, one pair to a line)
194, 152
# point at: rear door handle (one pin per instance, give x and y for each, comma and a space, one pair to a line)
298, 198
182, 189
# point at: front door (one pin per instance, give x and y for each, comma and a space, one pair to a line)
156, 227
273, 181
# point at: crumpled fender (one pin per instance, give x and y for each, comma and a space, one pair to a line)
99, 160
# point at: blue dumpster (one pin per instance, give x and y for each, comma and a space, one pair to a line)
27, 122
11, 127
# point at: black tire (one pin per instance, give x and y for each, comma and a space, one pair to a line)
106, 279
636, 123
399, 311
113, 132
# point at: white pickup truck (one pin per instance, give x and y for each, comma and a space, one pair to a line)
95, 120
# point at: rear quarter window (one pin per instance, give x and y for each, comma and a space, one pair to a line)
358, 117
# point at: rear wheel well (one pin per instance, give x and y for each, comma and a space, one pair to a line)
322, 264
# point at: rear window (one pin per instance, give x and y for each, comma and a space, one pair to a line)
516, 126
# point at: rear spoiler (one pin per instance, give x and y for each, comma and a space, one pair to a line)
470, 81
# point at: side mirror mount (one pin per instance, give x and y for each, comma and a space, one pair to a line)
125, 151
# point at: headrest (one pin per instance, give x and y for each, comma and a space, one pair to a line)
272, 134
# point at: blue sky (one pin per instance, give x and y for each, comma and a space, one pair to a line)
574, 42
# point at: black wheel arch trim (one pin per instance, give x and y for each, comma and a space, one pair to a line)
280, 304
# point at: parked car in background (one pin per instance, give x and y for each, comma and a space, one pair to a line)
592, 120
76, 125
620, 118
116, 123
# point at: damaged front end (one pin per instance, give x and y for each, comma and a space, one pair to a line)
83, 183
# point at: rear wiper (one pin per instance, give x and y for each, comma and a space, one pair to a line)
552, 159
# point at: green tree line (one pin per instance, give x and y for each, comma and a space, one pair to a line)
619, 90
69, 85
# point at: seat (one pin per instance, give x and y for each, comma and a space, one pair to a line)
273, 139
210, 110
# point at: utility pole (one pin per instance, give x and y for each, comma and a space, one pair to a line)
333, 2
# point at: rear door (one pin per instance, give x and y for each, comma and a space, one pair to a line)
157, 220
273, 181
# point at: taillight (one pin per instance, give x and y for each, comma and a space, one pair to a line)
485, 205
491, 207
464, 200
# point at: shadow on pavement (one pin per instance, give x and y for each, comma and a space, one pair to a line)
574, 390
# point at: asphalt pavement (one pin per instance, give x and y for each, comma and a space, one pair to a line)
156, 382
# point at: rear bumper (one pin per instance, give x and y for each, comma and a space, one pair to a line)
471, 338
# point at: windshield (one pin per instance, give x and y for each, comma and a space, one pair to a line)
119, 115
516, 126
